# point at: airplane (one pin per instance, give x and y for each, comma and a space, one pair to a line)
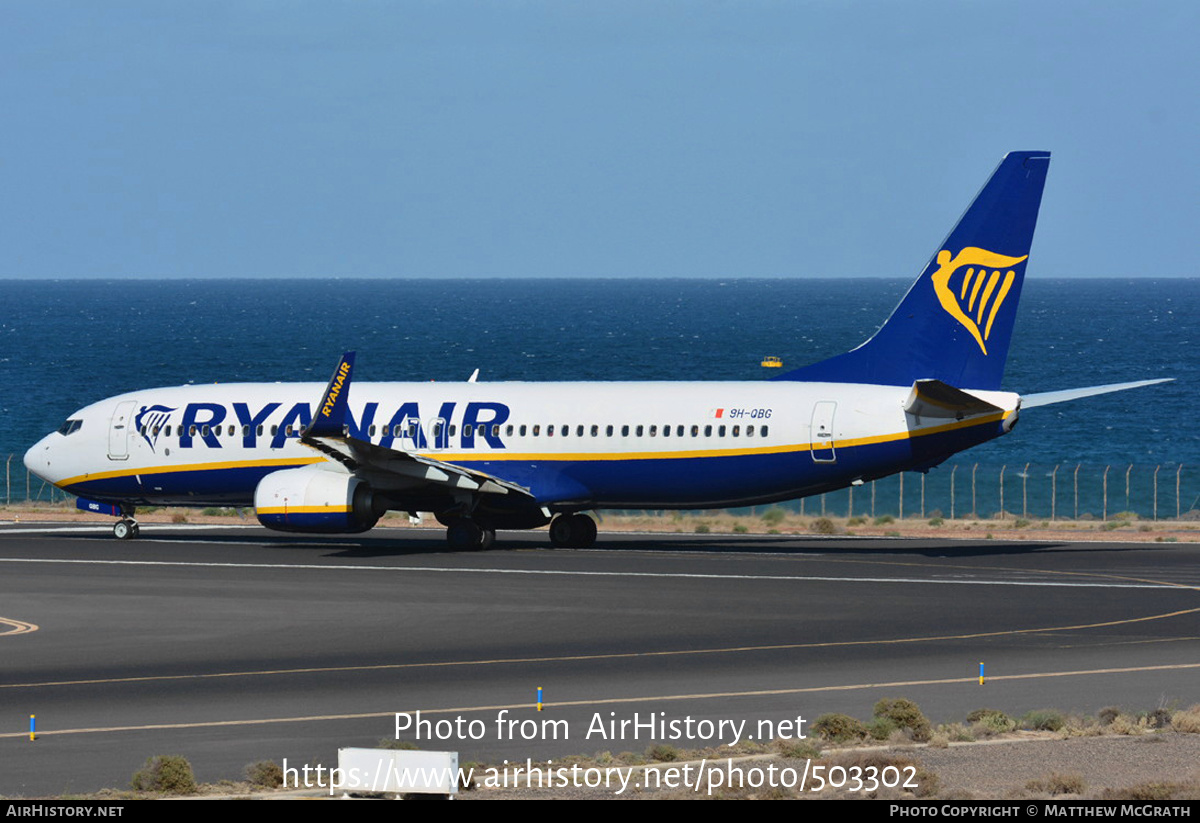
488, 456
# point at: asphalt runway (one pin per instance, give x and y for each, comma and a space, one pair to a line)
233, 645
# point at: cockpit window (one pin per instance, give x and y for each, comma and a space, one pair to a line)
70, 427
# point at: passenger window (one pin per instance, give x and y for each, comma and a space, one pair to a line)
639, 431
371, 430
608, 431
764, 431
595, 431
468, 430
566, 431
536, 430
274, 430
508, 430
749, 431
720, 431
496, 430
453, 429
708, 431
549, 431
653, 431
736, 430
259, 429
579, 431
522, 430
624, 431
695, 431
666, 431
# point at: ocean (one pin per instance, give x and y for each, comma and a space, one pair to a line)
68, 343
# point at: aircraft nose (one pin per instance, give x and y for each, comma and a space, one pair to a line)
39, 459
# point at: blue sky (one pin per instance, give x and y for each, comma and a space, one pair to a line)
586, 139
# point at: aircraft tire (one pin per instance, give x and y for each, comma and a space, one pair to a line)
124, 530
585, 531
466, 535
573, 531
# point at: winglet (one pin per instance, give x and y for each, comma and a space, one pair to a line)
330, 417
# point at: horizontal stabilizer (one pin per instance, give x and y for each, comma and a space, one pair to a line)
1030, 401
933, 398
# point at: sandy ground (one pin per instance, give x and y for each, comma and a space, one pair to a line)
1012, 528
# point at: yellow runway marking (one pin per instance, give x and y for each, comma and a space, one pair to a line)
604, 656
608, 701
18, 627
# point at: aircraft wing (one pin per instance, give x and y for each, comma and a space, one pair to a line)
1030, 401
329, 435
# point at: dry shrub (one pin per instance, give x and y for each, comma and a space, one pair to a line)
1187, 721
1056, 784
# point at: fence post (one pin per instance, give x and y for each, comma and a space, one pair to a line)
850, 503
1002, 468
1104, 503
922, 496
1077, 465
901, 495
872, 499
1156, 468
822, 504
974, 508
8, 482
1127, 471
1054, 493
952, 471
1024, 493
1178, 469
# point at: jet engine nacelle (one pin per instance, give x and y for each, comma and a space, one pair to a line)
315, 500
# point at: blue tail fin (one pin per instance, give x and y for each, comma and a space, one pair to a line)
956, 321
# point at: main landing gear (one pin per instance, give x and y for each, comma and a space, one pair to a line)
467, 535
573, 531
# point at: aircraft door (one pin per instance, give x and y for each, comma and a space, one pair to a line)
437, 434
822, 432
118, 432
410, 434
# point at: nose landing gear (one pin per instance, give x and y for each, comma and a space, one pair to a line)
126, 529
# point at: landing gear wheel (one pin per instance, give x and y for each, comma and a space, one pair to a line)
467, 535
573, 531
125, 530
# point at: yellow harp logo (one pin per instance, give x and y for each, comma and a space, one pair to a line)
969, 301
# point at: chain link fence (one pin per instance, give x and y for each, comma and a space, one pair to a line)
1060, 491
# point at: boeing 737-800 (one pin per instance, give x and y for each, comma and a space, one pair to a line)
482, 456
